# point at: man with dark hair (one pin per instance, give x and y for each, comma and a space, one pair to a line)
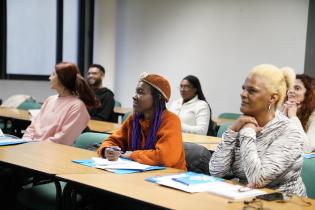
105, 112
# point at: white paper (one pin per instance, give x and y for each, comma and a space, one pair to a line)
34, 112
220, 188
233, 191
119, 164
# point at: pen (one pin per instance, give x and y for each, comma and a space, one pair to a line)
180, 181
114, 148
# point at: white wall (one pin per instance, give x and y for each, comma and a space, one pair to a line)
219, 41
105, 38
38, 89
216, 40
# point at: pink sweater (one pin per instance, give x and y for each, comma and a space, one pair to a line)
61, 119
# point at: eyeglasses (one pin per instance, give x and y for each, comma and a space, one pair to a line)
185, 87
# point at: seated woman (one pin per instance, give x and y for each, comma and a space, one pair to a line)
152, 135
300, 106
193, 109
263, 147
63, 117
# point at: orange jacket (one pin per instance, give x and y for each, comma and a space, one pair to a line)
169, 150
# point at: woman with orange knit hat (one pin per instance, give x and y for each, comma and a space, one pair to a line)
152, 135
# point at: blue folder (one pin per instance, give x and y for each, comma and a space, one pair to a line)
91, 163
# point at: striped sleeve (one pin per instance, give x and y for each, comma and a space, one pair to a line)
280, 155
222, 159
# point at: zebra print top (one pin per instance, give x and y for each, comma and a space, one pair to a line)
272, 158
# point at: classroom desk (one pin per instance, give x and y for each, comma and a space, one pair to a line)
12, 113
210, 142
102, 126
47, 157
119, 113
133, 186
17, 114
122, 110
200, 139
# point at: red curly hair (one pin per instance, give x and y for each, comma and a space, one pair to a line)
308, 104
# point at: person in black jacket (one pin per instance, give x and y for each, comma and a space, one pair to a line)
105, 112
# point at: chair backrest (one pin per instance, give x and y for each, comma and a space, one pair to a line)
15, 100
29, 104
229, 115
307, 174
117, 104
126, 115
89, 138
223, 128
212, 128
197, 158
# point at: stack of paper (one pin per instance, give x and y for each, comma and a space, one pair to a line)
194, 182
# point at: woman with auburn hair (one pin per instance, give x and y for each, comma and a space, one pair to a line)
263, 148
63, 117
300, 106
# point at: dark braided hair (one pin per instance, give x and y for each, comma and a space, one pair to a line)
158, 106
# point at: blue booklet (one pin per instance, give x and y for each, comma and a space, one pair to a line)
191, 178
309, 156
11, 140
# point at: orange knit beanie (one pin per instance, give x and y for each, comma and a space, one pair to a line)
159, 83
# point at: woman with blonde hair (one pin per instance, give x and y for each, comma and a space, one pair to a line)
263, 148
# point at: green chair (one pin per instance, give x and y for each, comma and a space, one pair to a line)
29, 104
117, 104
223, 128
48, 195
229, 115
89, 138
307, 174
126, 115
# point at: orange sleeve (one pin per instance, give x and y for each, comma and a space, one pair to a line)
118, 138
168, 150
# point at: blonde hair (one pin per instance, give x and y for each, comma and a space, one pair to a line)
276, 80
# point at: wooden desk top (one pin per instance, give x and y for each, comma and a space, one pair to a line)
48, 157
15, 113
134, 186
102, 126
122, 110
200, 139
94, 125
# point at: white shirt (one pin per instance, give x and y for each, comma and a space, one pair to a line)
194, 115
309, 143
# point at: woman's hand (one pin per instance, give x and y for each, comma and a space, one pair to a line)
244, 121
112, 153
127, 154
290, 108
